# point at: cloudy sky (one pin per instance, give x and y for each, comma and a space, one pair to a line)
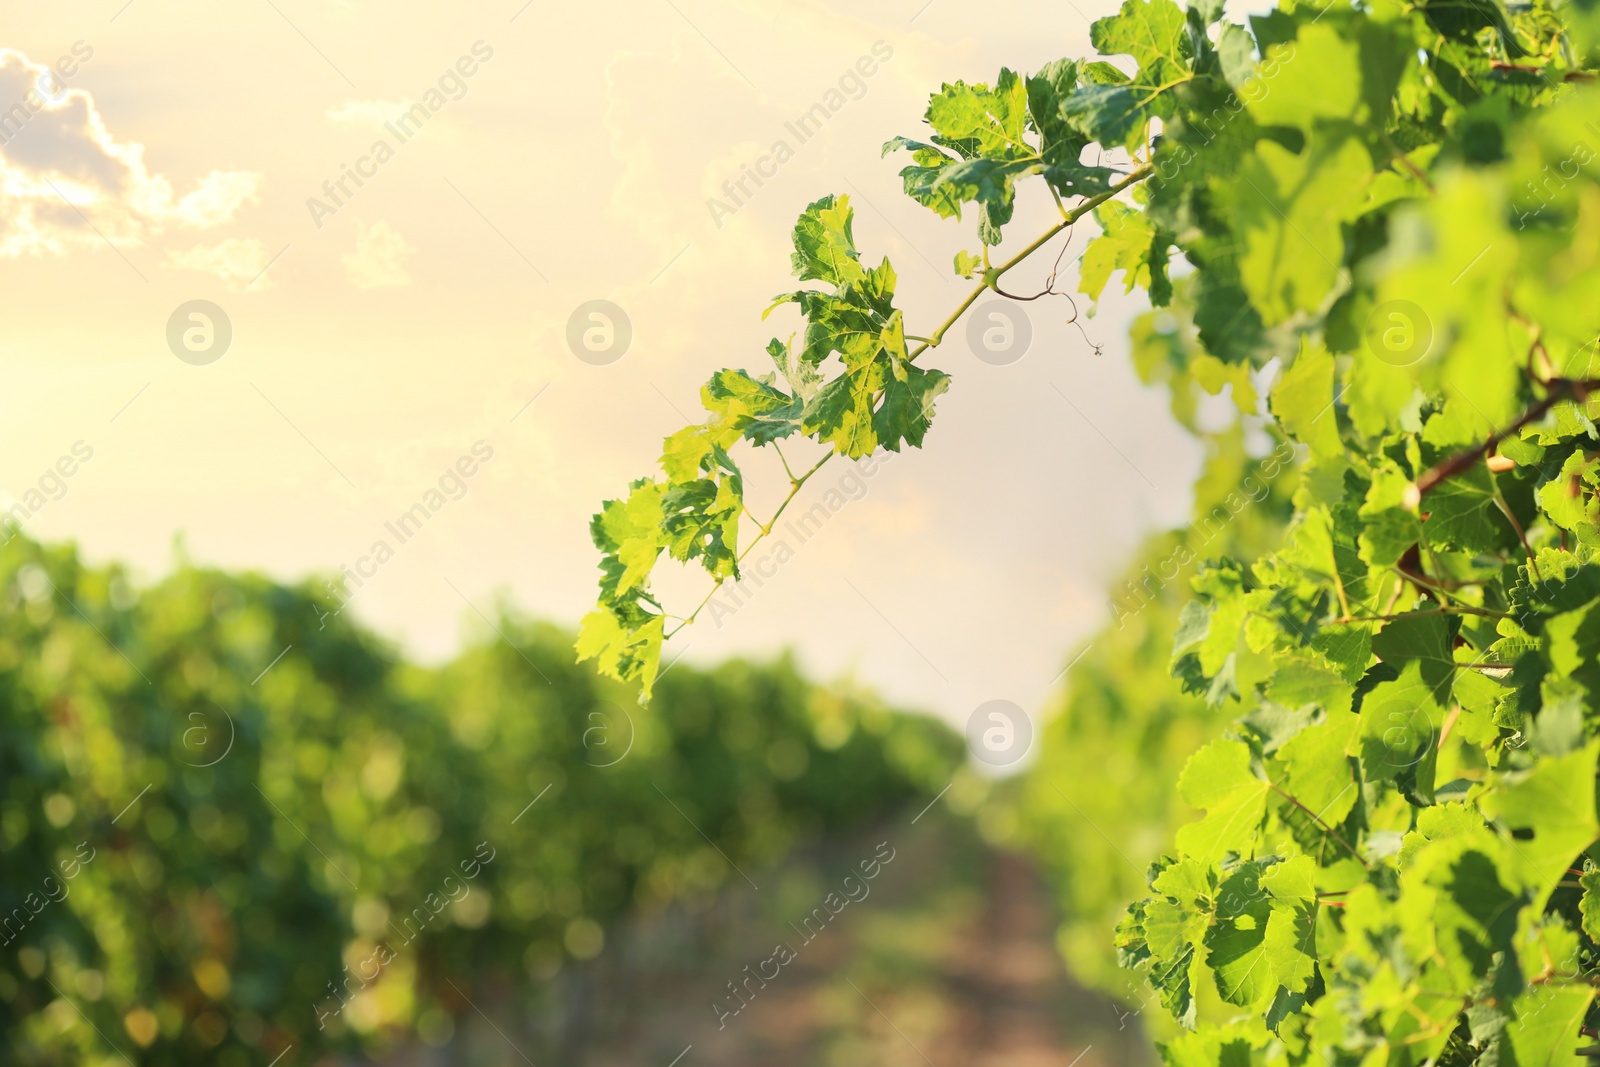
184, 151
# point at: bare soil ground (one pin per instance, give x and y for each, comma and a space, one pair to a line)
946, 960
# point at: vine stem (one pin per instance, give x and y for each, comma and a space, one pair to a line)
1522, 535
1337, 836
1427, 584
785, 461
1338, 585
1560, 389
1458, 609
794, 490
993, 274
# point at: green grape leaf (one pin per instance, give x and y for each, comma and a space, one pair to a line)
1589, 906
1545, 1031
1550, 811
976, 121
1465, 20
1231, 327
1271, 726
991, 184
1392, 524
1561, 584
1130, 243
1401, 720
700, 520
1572, 498
1558, 728
741, 406
920, 179
621, 651
1060, 144
1263, 940
1317, 771
1317, 77
1209, 627
979, 147
1288, 209
1292, 881
1172, 933
1236, 55
1155, 34
1465, 906
1237, 940
1441, 822
1298, 681
1187, 881
841, 414
1302, 401
1425, 638
1290, 948
1219, 780
802, 376
1113, 115
824, 246
907, 407
629, 533
1231, 1045
1464, 515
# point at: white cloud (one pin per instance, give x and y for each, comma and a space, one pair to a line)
370, 111
233, 260
378, 260
64, 176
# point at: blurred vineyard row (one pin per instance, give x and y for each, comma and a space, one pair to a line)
232, 822
1100, 803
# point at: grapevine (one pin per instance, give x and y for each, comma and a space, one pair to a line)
1375, 226
352, 854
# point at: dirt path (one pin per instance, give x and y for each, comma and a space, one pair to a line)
950, 962
946, 959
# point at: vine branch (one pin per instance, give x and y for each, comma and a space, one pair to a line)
1560, 389
795, 485
993, 274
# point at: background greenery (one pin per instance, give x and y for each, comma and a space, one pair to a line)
222, 907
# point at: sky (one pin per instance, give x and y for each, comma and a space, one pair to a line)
386, 338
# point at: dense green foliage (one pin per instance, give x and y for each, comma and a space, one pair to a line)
213, 849
1098, 805
1387, 216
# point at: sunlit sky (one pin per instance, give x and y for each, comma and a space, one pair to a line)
374, 344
